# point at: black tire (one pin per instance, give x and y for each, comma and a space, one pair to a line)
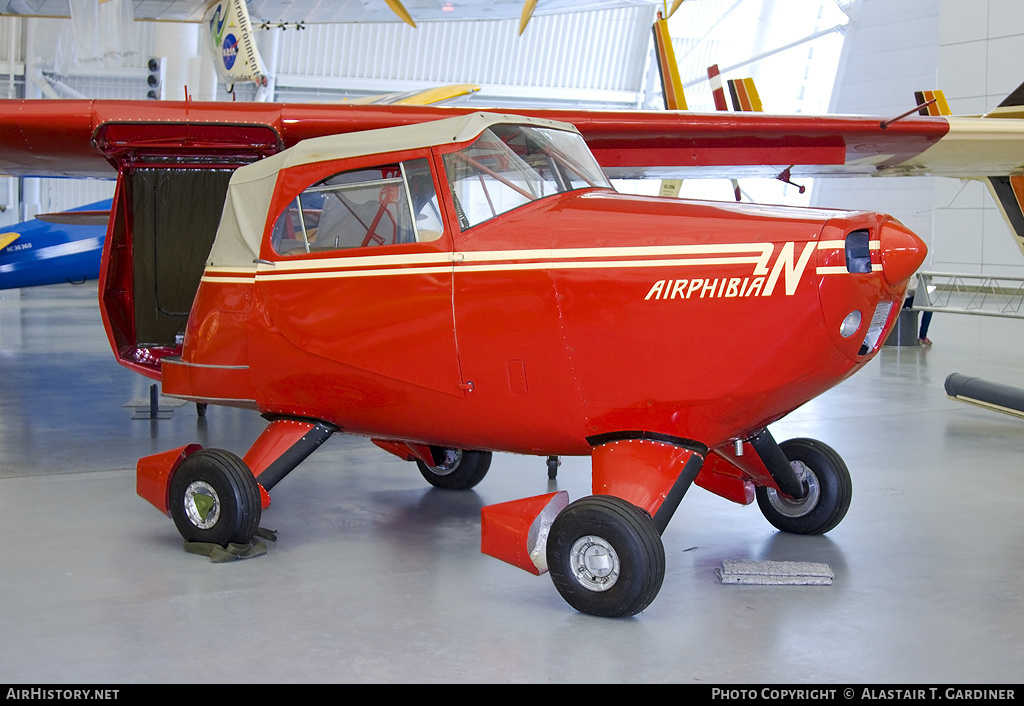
215, 498
606, 557
553, 463
457, 470
829, 491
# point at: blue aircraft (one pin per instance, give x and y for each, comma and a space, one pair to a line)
54, 248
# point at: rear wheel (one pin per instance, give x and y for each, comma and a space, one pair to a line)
829, 490
606, 557
215, 498
456, 469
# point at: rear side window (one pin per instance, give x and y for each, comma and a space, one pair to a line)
390, 204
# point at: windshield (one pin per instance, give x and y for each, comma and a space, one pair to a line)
510, 165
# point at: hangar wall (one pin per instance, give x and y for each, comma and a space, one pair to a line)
971, 51
890, 50
979, 63
579, 59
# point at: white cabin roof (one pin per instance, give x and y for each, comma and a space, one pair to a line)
251, 187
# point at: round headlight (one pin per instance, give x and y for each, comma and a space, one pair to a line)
850, 324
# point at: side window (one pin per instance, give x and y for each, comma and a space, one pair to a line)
383, 205
423, 200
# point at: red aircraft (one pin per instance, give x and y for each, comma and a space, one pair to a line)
355, 283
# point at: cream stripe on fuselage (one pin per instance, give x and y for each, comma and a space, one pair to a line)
757, 254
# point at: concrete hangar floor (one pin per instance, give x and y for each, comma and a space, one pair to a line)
376, 578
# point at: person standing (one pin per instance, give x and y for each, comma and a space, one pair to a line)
926, 316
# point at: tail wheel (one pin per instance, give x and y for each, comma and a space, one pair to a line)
215, 498
606, 557
456, 469
829, 490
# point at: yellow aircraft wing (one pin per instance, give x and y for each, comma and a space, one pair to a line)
428, 96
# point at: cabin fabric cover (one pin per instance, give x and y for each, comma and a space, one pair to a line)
247, 203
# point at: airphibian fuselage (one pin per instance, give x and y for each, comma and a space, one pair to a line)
472, 285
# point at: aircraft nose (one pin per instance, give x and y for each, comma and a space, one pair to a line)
902, 252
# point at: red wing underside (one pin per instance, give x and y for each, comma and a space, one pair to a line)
59, 138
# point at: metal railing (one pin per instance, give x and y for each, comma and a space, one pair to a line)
982, 295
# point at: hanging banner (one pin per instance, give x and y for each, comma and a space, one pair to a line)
232, 42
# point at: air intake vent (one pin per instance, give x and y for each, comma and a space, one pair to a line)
876, 327
858, 252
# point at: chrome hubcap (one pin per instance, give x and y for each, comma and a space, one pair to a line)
791, 507
594, 563
450, 462
202, 505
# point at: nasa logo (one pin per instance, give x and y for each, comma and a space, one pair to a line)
230, 51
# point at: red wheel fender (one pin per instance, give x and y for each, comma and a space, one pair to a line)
153, 475
516, 532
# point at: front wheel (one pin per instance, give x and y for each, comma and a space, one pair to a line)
606, 557
829, 490
215, 498
456, 469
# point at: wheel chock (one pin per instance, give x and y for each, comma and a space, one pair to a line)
234, 551
517, 531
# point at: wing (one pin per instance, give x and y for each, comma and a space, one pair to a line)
78, 137
428, 96
87, 138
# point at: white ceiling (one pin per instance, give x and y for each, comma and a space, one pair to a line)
311, 11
